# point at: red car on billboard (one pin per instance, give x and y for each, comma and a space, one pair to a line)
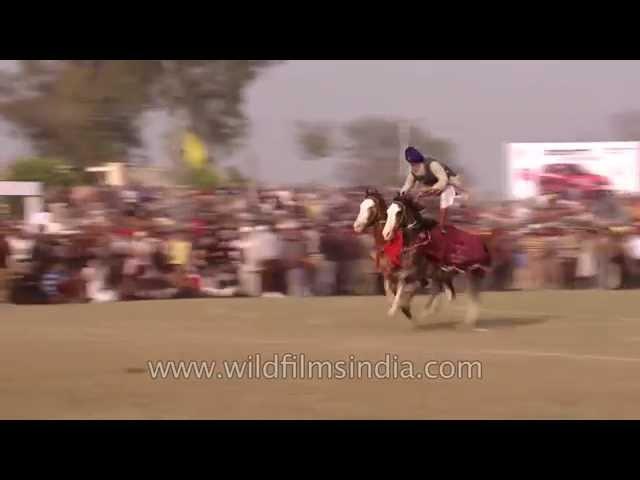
568, 178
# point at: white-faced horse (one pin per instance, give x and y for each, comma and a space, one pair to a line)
373, 214
421, 256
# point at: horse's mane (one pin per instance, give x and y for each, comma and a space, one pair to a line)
373, 193
409, 203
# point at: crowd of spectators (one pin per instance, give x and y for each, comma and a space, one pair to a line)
103, 244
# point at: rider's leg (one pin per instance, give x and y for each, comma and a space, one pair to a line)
447, 198
443, 219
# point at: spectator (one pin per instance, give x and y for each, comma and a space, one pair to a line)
94, 275
123, 232
586, 268
295, 253
51, 282
520, 268
632, 251
4, 264
567, 252
270, 247
179, 251
250, 272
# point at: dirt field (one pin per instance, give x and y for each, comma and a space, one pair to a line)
559, 355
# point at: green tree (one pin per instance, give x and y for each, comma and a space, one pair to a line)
51, 172
87, 111
235, 177
371, 148
314, 139
204, 178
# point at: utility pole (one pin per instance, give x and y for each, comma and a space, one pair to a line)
251, 162
404, 137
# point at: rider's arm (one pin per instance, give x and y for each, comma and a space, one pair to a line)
441, 175
408, 183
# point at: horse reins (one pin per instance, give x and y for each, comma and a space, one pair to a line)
419, 244
377, 219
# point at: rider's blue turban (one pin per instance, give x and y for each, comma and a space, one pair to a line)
412, 155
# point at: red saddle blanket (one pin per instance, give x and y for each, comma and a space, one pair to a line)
455, 248
393, 249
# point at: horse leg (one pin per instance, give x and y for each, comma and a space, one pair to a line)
410, 290
432, 304
388, 289
442, 286
449, 290
396, 299
474, 279
436, 303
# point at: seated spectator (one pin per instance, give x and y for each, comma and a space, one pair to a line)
586, 268
295, 254
270, 251
4, 270
179, 251
95, 275
51, 282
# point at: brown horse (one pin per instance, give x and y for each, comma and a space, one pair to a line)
426, 251
373, 214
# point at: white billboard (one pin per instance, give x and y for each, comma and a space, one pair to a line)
572, 169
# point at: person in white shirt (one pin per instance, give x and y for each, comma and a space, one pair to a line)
94, 275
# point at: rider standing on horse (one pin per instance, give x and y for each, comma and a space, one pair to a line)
437, 177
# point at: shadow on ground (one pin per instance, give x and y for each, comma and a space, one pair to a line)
490, 323
512, 322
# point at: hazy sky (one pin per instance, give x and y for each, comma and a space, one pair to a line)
479, 105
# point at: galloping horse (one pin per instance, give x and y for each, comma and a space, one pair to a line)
373, 213
428, 251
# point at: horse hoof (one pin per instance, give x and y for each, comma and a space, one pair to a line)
436, 305
448, 294
391, 312
407, 312
426, 313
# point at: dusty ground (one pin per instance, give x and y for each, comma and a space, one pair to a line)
544, 355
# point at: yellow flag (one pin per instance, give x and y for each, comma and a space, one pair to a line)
194, 151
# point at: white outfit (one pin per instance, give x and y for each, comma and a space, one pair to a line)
444, 183
96, 290
587, 267
448, 196
632, 247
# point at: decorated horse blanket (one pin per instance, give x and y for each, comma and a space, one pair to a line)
453, 249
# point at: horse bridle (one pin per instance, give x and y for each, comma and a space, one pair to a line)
380, 214
403, 218
402, 215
